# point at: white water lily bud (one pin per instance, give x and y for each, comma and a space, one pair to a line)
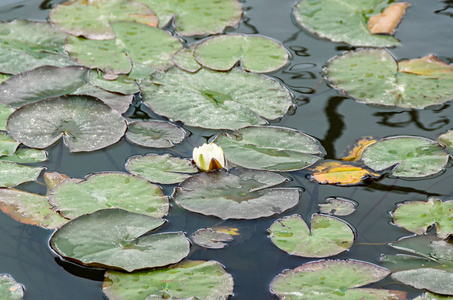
209, 157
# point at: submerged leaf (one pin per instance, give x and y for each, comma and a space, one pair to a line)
211, 238
10, 289
155, 134
386, 21
338, 206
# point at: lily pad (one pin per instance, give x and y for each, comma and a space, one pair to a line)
216, 100
269, 148
5, 112
85, 123
72, 198
123, 84
184, 60
406, 156
333, 279
134, 43
26, 156
28, 44
155, 134
30, 209
431, 266
193, 17
164, 169
12, 174
236, 194
343, 21
256, 53
431, 296
446, 139
418, 216
374, 76
186, 280
10, 289
211, 239
92, 19
7, 144
328, 236
119, 239
338, 206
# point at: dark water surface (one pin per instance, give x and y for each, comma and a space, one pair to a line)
333, 119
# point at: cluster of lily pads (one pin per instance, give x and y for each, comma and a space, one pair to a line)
75, 77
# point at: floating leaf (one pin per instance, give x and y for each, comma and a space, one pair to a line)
72, 198
134, 43
373, 76
431, 296
216, 100
328, 236
386, 21
185, 280
163, 169
342, 173
429, 65
338, 206
30, 209
52, 179
123, 84
184, 60
5, 112
269, 148
92, 19
85, 123
343, 21
12, 174
418, 216
28, 44
116, 238
333, 279
154, 134
26, 156
193, 17
7, 144
236, 194
211, 239
256, 53
446, 139
10, 289
407, 156
354, 152
431, 269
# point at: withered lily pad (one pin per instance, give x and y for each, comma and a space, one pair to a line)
256, 53
92, 19
387, 21
338, 206
5, 112
154, 134
184, 60
26, 156
328, 236
10, 289
185, 280
193, 17
134, 43
374, 76
211, 239
418, 216
7, 144
343, 21
354, 151
12, 174
30, 209
407, 156
269, 148
333, 279
429, 267
216, 100
164, 169
116, 238
73, 198
28, 44
85, 123
236, 194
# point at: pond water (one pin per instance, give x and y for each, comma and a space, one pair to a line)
320, 111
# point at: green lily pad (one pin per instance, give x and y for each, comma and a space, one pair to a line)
85, 123
72, 198
92, 19
119, 239
256, 53
431, 296
407, 156
7, 144
134, 43
192, 17
26, 156
333, 279
211, 239
12, 174
123, 84
374, 76
154, 134
343, 21
269, 148
186, 280
430, 267
446, 139
418, 216
5, 112
216, 100
28, 208
328, 236
236, 194
184, 60
10, 289
164, 169
28, 44
338, 206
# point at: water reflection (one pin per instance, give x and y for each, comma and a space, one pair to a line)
447, 10
336, 125
411, 117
